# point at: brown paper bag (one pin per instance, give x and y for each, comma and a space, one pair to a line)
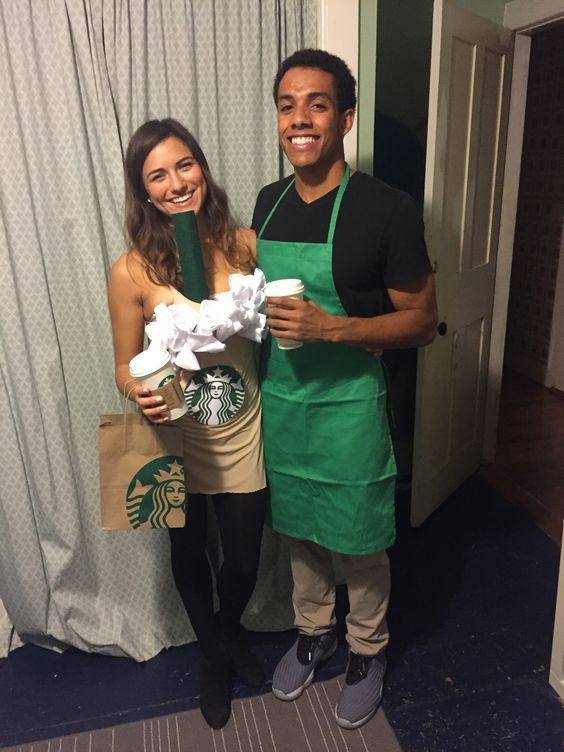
141, 473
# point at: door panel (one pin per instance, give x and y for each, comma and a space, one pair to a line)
454, 202
466, 419
487, 121
468, 108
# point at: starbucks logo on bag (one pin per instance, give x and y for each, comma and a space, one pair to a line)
215, 395
154, 491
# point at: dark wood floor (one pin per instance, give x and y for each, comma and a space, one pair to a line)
529, 464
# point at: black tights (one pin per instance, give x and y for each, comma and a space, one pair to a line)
240, 519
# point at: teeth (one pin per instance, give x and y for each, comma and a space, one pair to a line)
302, 140
180, 199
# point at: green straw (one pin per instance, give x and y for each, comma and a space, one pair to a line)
190, 254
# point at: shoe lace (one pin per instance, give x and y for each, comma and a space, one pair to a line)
306, 648
358, 667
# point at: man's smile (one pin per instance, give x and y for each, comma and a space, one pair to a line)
300, 140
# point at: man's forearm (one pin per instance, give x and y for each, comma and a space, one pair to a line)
408, 328
412, 324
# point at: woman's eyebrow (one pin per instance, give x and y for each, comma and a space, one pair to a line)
154, 172
158, 170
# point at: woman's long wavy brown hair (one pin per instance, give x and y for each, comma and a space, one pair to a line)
151, 232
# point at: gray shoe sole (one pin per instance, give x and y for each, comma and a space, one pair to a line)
295, 693
344, 723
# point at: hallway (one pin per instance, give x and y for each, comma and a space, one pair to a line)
529, 465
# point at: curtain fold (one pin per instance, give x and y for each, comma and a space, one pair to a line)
78, 76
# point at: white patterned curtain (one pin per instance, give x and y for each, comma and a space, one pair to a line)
77, 77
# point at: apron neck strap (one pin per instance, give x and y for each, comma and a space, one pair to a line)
284, 192
334, 212
337, 203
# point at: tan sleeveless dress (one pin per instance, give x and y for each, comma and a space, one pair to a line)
222, 428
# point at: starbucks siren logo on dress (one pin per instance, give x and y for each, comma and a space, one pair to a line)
215, 395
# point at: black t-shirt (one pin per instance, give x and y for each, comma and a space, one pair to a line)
378, 240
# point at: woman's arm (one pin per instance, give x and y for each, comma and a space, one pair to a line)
125, 299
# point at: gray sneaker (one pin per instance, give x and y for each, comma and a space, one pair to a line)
295, 670
361, 695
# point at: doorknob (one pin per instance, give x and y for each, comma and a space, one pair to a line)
442, 328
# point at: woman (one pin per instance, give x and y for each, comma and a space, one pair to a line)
166, 172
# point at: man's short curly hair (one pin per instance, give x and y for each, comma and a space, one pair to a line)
345, 82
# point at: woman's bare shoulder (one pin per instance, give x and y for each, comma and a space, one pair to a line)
129, 267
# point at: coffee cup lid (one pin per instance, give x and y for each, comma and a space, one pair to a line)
148, 361
284, 287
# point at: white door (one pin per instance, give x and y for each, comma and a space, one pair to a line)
468, 108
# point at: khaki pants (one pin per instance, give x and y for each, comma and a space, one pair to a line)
368, 583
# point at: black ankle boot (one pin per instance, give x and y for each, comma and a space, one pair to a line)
245, 663
215, 692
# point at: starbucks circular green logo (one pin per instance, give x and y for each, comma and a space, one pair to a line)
215, 395
166, 379
155, 491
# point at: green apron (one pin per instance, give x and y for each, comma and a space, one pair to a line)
329, 457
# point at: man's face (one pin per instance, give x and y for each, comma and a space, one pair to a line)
310, 128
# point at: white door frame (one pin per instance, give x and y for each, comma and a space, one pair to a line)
337, 32
555, 368
524, 18
348, 29
556, 674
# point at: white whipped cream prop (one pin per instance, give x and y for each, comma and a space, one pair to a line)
184, 331
177, 329
237, 311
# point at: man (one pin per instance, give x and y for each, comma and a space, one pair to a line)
358, 246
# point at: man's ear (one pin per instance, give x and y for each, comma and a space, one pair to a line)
347, 120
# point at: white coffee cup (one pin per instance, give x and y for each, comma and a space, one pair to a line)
153, 369
287, 288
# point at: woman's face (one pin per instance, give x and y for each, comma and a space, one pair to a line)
173, 179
